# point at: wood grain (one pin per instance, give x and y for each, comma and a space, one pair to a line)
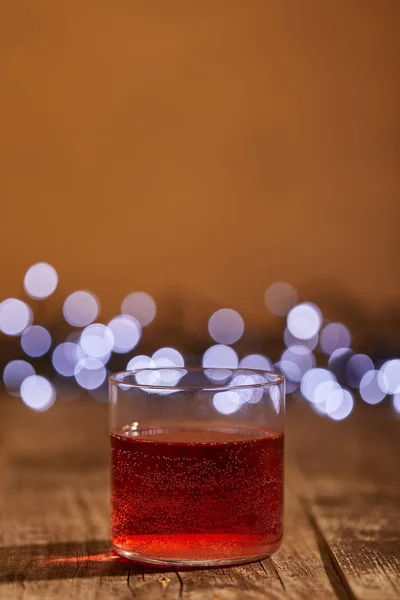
342, 516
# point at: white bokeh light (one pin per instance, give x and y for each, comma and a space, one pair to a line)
140, 305
141, 361
40, 280
247, 390
291, 340
227, 402
334, 336
81, 308
334, 399
322, 391
396, 403
15, 316
226, 326
14, 374
280, 297
65, 357
220, 356
126, 331
339, 404
38, 393
295, 361
149, 376
172, 376
36, 341
168, 377
218, 375
90, 373
97, 341
304, 321
356, 367
372, 387
312, 379
256, 361
168, 357
391, 376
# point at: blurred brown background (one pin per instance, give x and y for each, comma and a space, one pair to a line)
204, 149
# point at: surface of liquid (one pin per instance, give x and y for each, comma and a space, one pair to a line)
196, 496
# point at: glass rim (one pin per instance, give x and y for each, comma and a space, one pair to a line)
280, 378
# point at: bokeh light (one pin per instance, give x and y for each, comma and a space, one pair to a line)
97, 341
391, 376
14, 374
166, 378
226, 326
217, 375
172, 376
304, 320
141, 361
126, 331
15, 316
227, 402
339, 404
246, 391
141, 306
65, 357
40, 280
36, 341
220, 356
37, 392
90, 373
322, 391
148, 376
280, 297
81, 308
295, 361
334, 336
372, 387
291, 340
168, 357
356, 367
256, 361
312, 379
396, 403
338, 362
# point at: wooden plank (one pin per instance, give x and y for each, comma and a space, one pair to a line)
350, 489
341, 535
248, 582
302, 563
362, 532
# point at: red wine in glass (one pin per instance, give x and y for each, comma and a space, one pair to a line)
195, 496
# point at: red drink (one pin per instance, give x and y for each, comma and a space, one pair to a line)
197, 496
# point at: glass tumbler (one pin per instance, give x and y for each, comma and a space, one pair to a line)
196, 465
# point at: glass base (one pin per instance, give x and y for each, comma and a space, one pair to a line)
193, 550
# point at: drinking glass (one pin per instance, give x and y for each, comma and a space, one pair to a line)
196, 465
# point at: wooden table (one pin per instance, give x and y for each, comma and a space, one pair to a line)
342, 535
